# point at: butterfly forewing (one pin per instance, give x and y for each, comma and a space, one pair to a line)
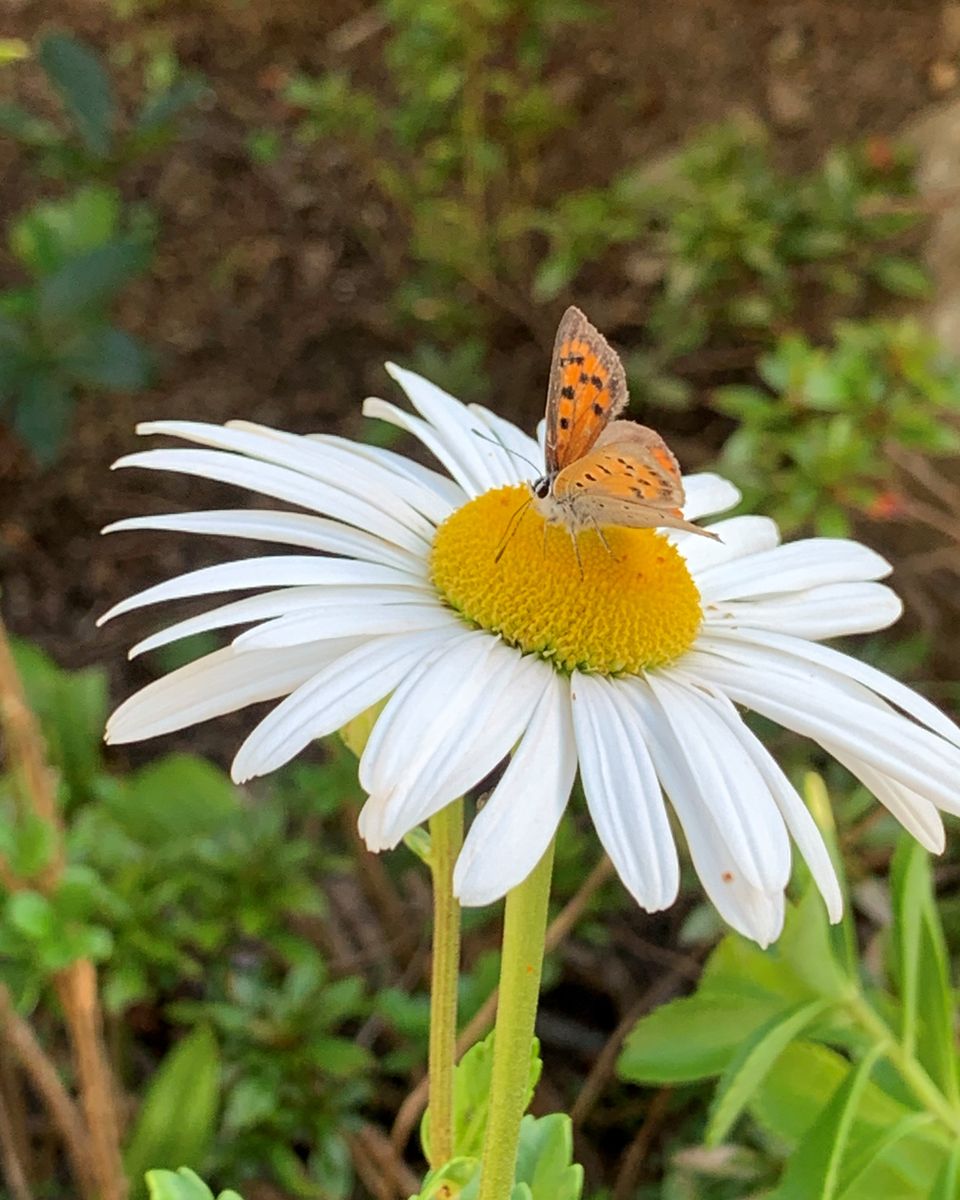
587, 390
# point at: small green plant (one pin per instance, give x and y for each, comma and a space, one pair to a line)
92, 139
811, 447
56, 337
183, 1185
78, 252
848, 1078
545, 1167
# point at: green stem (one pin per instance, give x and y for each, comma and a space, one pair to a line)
446, 838
524, 929
911, 1071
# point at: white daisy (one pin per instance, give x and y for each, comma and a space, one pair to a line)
628, 667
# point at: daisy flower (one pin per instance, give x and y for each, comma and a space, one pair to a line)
629, 662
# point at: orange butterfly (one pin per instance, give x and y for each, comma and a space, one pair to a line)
601, 471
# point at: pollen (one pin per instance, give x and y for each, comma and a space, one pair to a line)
615, 605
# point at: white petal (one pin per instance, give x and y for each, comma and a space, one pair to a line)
289, 528
739, 536
218, 683
770, 650
465, 471
792, 567
754, 913
513, 829
803, 829
523, 450
832, 610
281, 570
739, 799
707, 493
623, 793
458, 427
448, 491
332, 697
283, 484
917, 815
807, 702
447, 727
277, 570
339, 621
274, 604
371, 482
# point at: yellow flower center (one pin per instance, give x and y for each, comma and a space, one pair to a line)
626, 605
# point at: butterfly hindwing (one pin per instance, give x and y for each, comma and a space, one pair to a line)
587, 390
628, 463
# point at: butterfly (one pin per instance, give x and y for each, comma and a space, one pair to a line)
601, 471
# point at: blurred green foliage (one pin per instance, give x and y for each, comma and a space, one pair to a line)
78, 252
842, 1075
811, 446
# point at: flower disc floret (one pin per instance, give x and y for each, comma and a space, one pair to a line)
628, 603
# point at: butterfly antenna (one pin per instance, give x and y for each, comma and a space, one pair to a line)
512, 526
503, 446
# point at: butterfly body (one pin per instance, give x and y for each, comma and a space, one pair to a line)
601, 471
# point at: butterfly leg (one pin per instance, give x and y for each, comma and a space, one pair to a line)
576, 550
598, 528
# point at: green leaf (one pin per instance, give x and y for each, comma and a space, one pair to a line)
695, 1037
947, 1184
109, 358
182, 1185
870, 1151
178, 798
51, 233
471, 1098
161, 109
84, 87
42, 415
17, 123
902, 276
177, 1121
545, 1158
814, 1167
31, 915
795, 1092
751, 1063
87, 284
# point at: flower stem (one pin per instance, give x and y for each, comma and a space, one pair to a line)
910, 1070
446, 838
524, 930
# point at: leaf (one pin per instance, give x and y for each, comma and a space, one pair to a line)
42, 415
922, 967
545, 1158
162, 108
87, 284
947, 1185
182, 1185
471, 1097
873, 1149
17, 123
180, 797
109, 358
902, 276
796, 1090
84, 87
814, 1167
177, 1121
695, 1037
752, 1061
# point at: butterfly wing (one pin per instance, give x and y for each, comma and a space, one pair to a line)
629, 478
587, 389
